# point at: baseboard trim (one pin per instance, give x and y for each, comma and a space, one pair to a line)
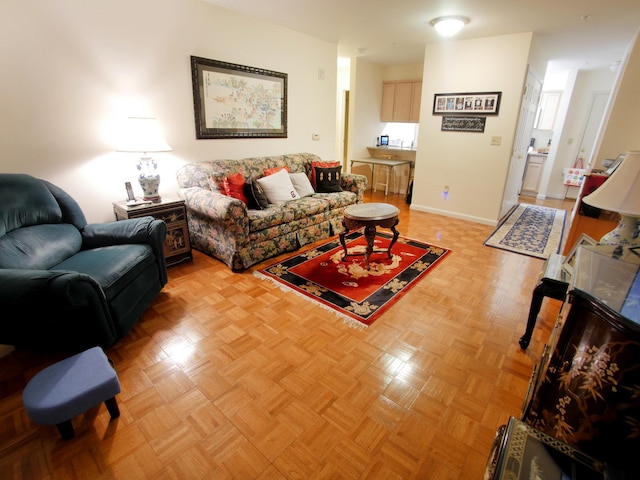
447, 213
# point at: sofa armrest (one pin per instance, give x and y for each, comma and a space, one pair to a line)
218, 224
212, 204
352, 182
61, 306
219, 208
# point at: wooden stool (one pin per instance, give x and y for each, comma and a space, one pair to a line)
67, 388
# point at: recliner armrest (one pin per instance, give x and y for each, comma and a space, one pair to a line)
49, 299
142, 230
53, 287
134, 230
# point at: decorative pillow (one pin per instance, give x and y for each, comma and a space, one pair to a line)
234, 187
302, 184
328, 179
271, 171
321, 165
216, 183
256, 196
278, 187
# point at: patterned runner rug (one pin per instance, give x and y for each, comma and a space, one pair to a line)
347, 288
530, 230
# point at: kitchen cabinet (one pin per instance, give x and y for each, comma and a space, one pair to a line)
401, 101
533, 172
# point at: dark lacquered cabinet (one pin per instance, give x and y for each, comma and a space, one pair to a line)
177, 246
586, 391
521, 452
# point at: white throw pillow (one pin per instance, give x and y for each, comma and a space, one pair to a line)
302, 184
278, 187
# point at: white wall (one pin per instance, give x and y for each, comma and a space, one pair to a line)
474, 170
72, 69
566, 140
365, 101
407, 71
622, 129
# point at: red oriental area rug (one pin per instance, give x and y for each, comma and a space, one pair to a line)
346, 287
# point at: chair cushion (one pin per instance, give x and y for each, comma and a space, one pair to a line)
113, 267
39, 247
25, 201
69, 387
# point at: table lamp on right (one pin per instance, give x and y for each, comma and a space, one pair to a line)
621, 193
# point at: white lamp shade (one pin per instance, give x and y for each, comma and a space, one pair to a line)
142, 134
621, 191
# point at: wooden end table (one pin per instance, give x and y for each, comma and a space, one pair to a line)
553, 283
173, 212
369, 216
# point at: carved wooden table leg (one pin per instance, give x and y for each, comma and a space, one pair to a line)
395, 236
370, 236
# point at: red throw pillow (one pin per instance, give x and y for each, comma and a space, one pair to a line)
234, 187
271, 171
312, 177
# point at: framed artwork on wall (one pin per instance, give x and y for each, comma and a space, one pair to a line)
479, 103
237, 101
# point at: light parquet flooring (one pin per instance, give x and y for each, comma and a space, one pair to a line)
226, 376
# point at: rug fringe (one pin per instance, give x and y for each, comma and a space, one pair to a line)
346, 320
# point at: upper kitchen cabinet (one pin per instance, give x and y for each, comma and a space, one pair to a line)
401, 101
547, 108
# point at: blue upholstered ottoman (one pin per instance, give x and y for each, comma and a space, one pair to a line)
67, 388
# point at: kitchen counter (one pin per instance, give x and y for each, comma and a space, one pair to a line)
392, 153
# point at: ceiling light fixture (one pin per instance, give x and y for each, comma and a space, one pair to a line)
449, 25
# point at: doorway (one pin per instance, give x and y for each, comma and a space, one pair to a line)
528, 109
345, 132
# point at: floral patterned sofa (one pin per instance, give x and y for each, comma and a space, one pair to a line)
225, 228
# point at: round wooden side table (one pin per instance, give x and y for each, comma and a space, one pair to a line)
369, 216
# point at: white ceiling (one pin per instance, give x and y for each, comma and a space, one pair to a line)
580, 34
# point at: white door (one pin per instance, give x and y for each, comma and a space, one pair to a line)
598, 106
528, 110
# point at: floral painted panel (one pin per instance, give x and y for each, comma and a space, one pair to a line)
589, 396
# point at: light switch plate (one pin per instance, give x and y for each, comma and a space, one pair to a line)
496, 140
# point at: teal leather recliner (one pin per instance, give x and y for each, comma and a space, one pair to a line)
65, 284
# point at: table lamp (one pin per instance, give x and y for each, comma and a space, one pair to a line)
621, 193
143, 135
